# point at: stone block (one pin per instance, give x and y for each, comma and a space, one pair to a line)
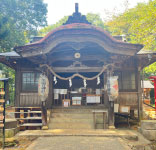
10, 132
148, 124
149, 134
10, 123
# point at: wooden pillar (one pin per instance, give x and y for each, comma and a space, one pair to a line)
108, 104
140, 111
106, 100
44, 114
111, 114
17, 86
50, 96
6, 85
110, 108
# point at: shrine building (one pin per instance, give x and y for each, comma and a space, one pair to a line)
80, 61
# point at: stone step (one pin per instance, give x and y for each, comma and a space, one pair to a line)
74, 110
69, 115
70, 126
71, 120
124, 134
76, 119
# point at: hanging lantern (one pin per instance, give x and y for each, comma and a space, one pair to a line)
98, 80
55, 80
85, 83
70, 82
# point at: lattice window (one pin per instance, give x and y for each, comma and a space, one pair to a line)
126, 80
30, 81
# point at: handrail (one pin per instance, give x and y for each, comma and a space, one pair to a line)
149, 105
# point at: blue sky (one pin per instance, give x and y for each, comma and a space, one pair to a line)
57, 9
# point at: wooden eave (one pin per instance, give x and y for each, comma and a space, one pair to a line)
9, 62
78, 33
144, 60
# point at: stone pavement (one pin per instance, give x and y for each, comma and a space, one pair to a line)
63, 139
78, 143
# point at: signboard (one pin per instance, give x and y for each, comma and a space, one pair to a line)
125, 109
43, 87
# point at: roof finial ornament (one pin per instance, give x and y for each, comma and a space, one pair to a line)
77, 17
76, 7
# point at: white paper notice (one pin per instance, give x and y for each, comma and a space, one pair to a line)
56, 96
124, 109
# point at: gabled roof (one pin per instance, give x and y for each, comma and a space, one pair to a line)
80, 32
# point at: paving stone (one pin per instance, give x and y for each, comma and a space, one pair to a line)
77, 143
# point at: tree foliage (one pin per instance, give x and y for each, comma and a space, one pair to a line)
19, 19
139, 26
96, 20
47, 29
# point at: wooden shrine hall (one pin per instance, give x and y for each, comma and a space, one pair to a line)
78, 59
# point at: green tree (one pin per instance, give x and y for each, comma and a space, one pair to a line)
19, 19
23, 18
96, 20
49, 28
139, 26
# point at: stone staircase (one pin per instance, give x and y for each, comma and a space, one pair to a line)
73, 118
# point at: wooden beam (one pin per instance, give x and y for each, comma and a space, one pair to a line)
82, 58
77, 69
